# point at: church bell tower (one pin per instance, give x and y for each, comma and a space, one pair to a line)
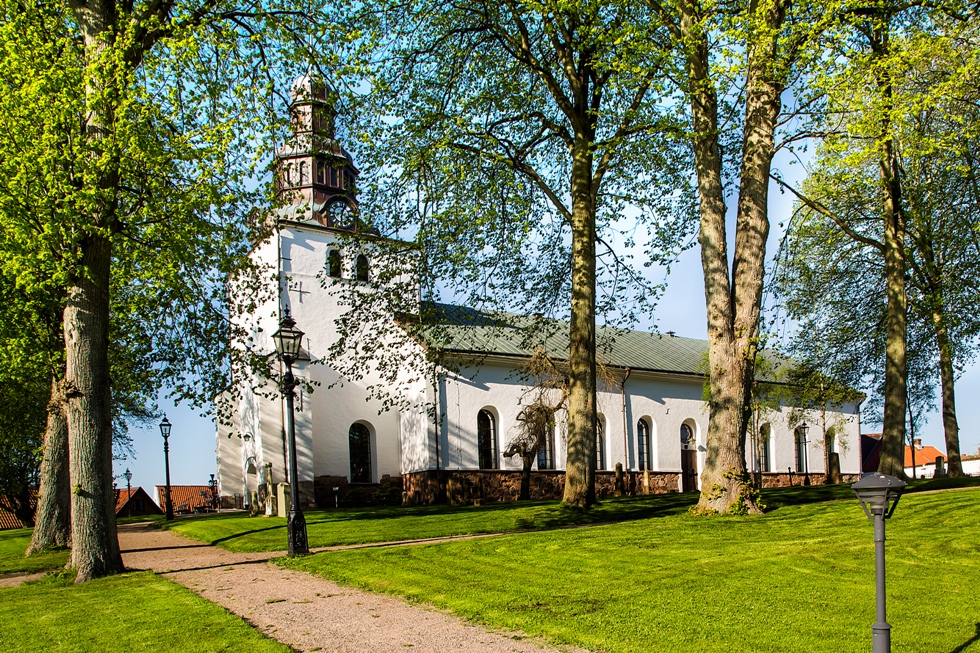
315, 177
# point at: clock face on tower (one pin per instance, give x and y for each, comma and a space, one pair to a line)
340, 215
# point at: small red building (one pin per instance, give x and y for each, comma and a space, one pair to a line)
188, 498
135, 502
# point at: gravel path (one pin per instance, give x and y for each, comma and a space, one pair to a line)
303, 611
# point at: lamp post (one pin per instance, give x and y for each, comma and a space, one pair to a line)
804, 428
213, 486
288, 339
879, 494
165, 426
129, 492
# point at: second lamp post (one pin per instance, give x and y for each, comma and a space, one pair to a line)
288, 339
165, 432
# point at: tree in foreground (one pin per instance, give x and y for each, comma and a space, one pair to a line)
514, 136
132, 138
892, 176
734, 64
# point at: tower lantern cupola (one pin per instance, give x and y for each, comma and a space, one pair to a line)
315, 176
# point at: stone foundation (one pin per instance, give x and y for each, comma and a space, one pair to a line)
767, 480
386, 493
470, 486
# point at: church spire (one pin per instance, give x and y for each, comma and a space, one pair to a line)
315, 176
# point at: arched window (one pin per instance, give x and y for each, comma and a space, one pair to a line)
600, 442
546, 450
320, 176
486, 439
333, 264
801, 461
643, 444
360, 453
302, 172
765, 441
363, 271
687, 436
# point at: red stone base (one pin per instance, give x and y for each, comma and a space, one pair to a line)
470, 486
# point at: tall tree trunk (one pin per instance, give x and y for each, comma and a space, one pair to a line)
733, 308
580, 461
95, 547
947, 375
52, 527
892, 460
527, 462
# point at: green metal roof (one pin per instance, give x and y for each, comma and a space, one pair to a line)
461, 330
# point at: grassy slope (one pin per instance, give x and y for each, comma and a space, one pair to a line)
236, 532
13, 543
800, 579
130, 612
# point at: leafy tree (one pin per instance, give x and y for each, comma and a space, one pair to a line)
734, 64
133, 130
897, 116
513, 137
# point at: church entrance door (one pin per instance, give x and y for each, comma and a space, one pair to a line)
689, 470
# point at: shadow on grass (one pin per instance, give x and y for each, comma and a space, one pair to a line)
973, 640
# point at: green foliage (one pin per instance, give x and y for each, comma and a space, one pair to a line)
801, 579
128, 612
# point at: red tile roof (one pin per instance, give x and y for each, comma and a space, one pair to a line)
8, 521
184, 496
923, 455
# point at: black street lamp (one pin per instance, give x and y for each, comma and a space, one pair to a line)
165, 426
288, 339
129, 492
213, 486
879, 494
804, 428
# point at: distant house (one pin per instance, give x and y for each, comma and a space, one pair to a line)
971, 464
135, 503
9, 520
187, 498
924, 462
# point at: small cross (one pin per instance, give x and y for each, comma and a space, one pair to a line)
297, 287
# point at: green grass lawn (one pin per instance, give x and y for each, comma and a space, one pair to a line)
129, 612
798, 580
238, 532
13, 543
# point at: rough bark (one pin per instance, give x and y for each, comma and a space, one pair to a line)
580, 461
52, 527
892, 459
95, 545
733, 303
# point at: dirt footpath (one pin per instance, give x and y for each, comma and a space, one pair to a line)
306, 612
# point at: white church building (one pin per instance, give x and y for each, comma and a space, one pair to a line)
445, 436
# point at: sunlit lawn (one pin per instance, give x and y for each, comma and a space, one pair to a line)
238, 532
800, 579
14, 543
125, 613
